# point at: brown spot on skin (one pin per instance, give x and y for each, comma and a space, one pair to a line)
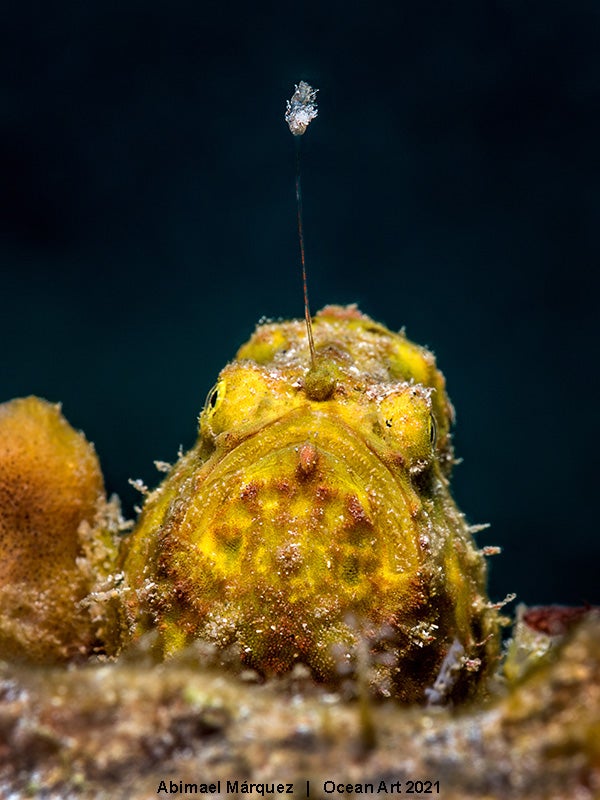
228, 537
421, 590
415, 510
357, 512
308, 459
180, 590
317, 513
289, 558
323, 493
395, 459
249, 492
283, 486
359, 525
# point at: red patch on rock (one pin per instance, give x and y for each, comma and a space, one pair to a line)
554, 620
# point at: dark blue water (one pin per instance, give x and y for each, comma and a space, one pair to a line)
451, 185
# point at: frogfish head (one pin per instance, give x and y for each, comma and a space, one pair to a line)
315, 509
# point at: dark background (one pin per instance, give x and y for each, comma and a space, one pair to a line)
147, 220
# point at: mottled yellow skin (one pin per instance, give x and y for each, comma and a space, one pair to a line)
54, 540
314, 511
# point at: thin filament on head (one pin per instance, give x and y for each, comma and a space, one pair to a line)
300, 110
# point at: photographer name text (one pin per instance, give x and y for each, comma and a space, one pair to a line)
327, 788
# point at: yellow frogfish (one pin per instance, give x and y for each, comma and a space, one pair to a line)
313, 517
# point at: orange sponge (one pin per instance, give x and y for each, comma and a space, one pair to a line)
55, 537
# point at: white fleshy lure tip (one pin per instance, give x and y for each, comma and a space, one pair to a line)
302, 108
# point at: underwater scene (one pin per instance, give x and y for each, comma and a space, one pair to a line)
296, 477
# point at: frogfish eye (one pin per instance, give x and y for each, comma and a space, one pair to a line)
432, 430
211, 407
212, 397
